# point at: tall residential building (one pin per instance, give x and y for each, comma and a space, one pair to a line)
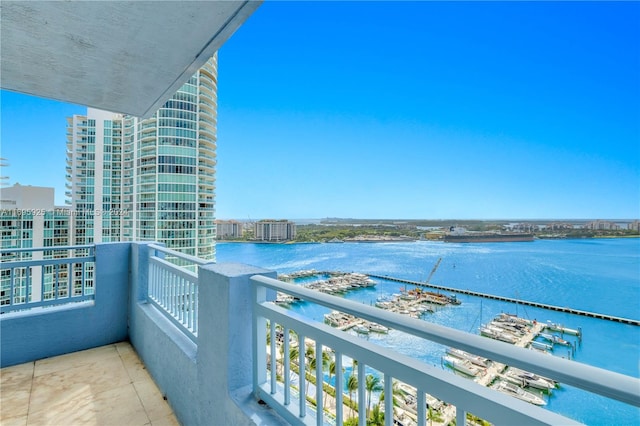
274, 230
28, 218
228, 229
148, 179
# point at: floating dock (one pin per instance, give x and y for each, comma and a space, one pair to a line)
512, 300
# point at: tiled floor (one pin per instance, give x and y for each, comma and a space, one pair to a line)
101, 386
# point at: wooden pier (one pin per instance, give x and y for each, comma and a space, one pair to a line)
512, 300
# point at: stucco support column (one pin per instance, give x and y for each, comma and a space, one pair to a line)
225, 354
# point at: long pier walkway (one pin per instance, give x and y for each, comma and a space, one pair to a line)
512, 300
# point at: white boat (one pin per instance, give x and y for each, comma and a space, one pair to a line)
555, 339
559, 327
518, 392
378, 328
474, 359
542, 346
533, 380
461, 365
498, 335
361, 329
527, 381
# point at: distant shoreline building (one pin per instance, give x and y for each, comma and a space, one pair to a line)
274, 230
228, 229
602, 225
153, 179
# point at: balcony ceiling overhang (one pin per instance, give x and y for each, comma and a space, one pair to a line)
121, 56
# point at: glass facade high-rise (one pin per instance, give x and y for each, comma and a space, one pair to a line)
148, 179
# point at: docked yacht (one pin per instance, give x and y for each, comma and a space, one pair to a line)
462, 365
532, 380
481, 362
518, 392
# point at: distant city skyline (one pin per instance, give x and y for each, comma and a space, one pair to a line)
407, 110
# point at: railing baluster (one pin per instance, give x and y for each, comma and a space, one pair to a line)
274, 354
181, 298
165, 288
42, 280
302, 375
287, 367
388, 399
461, 417
422, 407
192, 310
152, 281
188, 304
362, 418
319, 385
339, 387
83, 280
259, 337
172, 293
70, 276
196, 306
175, 285
12, 277
28, 283
56, 285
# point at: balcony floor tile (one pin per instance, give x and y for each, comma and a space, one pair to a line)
100, 386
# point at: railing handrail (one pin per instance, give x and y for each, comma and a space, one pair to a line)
177, 254
21, 250
44, 262
593, 379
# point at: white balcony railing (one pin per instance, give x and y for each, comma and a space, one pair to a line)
173, 287
31, 281
466, 395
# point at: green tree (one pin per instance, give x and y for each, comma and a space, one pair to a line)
331, 372
352, 387
377, 416
372, 384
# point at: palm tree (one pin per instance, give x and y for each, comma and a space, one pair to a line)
312, 360
293, 358
310, 356
377, 416
352, 386
372, 384
331, 372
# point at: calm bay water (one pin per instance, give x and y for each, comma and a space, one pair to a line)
598, 275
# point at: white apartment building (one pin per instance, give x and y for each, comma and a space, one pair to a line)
228, 229
28, 218
274, 230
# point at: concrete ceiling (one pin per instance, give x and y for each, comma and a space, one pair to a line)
121, 56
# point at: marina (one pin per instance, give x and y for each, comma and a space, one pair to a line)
336, 283
546, 271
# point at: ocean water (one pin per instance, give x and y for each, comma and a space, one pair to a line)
598, 275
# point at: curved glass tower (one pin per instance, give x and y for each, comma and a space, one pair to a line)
156, 176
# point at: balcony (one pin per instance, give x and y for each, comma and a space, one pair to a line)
203, 332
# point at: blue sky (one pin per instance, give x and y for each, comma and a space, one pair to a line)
523, 110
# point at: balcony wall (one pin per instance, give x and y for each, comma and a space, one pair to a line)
45, 332
210, 379
203, 380
215, 371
